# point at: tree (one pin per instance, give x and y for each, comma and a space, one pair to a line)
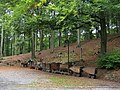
32, 22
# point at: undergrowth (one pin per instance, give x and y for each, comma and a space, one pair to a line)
110, 60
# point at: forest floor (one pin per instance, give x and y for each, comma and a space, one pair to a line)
90, 53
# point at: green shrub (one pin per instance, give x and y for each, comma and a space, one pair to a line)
110, 60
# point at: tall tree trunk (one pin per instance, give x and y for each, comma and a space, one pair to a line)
29, 42
33, 45
29, 45
108, 27
11, 48
97, 32
1, 44
23, 48
13, 45
108, 24
52, 32
79, 44
35, 41
119, 26
52, 41
41, 40
4, 46
59, 37
78, 37
7, 45
49, 37
103, 33
65, 37
16, 46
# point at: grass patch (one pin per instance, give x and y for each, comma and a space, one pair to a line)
62, 81
27, 86
57, 80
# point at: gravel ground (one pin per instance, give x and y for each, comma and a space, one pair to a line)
16, 78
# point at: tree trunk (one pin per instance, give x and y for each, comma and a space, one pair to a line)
7, 45
49, 37
103, 33
78, 37
108, 24
35, 41
65, 37
4, 52
29, 45
1, 44
41, 40
29, 42
59, 37
33, 45
97, 32
15, 45
119, 26
52, 41
24, 51
11, 48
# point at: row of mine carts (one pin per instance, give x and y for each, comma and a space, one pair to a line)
66, 69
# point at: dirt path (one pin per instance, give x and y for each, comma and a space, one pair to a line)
17, 78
